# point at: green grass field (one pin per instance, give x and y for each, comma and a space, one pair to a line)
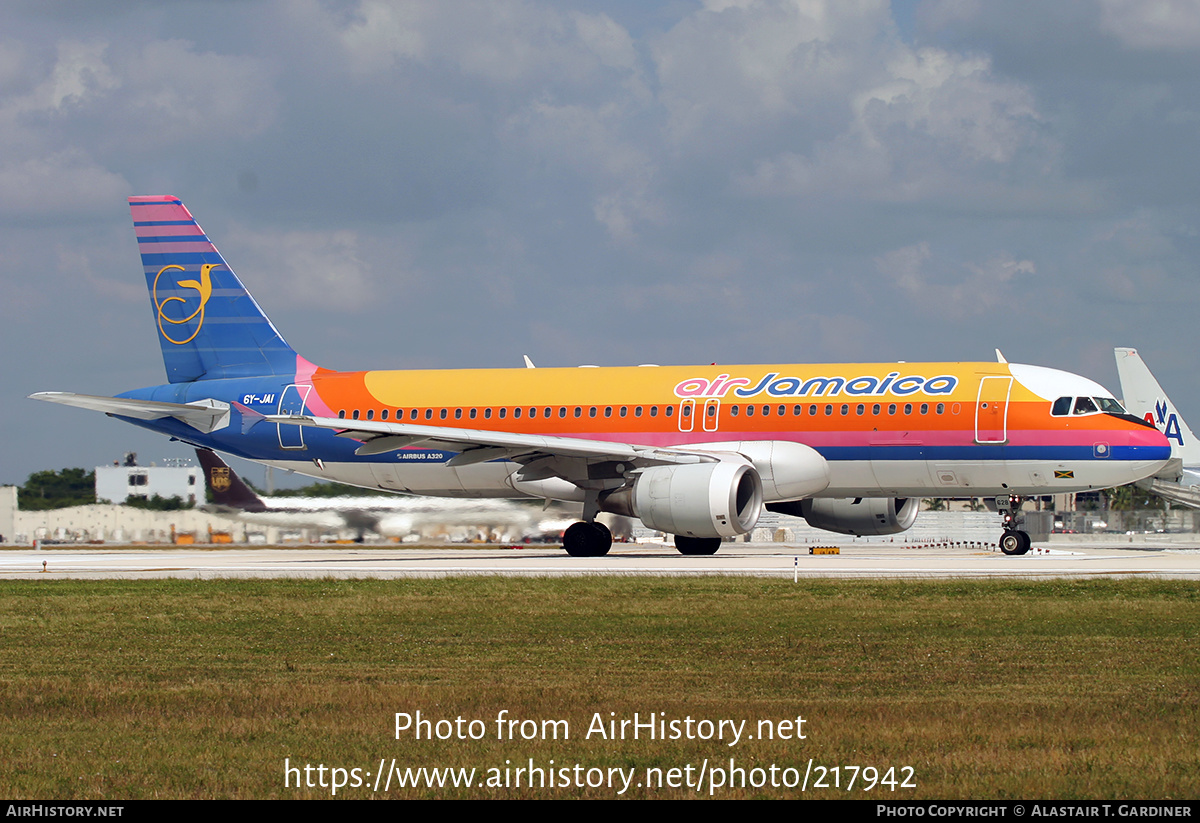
177, 689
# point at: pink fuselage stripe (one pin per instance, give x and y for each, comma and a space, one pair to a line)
861, 439
304, 373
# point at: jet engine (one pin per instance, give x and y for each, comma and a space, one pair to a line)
859, 516
720, 499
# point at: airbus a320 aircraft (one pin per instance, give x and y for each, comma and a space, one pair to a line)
693, 451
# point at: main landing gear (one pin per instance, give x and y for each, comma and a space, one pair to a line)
697, 545
1014, 540
587, 539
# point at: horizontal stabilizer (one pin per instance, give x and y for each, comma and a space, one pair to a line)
202, 415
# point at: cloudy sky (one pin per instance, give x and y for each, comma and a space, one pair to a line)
454, 184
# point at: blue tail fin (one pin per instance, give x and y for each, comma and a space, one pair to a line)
209, 326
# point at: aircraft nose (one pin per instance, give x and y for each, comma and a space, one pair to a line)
1147, 451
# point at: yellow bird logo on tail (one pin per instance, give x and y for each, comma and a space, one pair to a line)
204, 289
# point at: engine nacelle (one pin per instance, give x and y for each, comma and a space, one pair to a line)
858, 516
695, 500
789, 471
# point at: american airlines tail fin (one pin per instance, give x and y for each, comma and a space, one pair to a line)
209, 326
227, 489
1144, 398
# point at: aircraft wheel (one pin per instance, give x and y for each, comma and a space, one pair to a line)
575, 539
587, 540
697, 545
601, 539
1014, 542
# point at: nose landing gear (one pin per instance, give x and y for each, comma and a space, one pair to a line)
1014, 540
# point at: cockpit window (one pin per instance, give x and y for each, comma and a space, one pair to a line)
1066, 406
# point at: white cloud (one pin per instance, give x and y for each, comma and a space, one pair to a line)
732, 67
939, 125
590, 142
502, 42
59, 184
903, 266
966, 288
1152, 24
316, 269
176, 94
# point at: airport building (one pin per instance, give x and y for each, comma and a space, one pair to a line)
118, 482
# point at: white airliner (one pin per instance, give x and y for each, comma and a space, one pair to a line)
389, 515
1179, 481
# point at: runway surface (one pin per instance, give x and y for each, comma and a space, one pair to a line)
861, 560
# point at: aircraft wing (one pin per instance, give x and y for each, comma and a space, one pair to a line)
542, 456
203, 415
